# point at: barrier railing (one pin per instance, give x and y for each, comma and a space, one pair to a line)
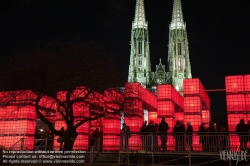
180, 149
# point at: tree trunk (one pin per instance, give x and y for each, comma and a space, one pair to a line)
69, 140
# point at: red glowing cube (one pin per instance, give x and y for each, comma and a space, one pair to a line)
247, 100
236, 102
234, 119
17, 127
152, 116
168, 92
192, 104
111, 142
205, 116
193, 86
134, 123
195, 121
234, 84
111, 125
165, 108
247, 83
179, 116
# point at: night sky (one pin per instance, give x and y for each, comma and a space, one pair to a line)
218, 33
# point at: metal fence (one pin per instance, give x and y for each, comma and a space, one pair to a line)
180, 149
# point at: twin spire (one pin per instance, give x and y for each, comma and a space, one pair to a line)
140, 19
177, 16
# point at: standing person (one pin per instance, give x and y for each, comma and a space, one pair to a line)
212, 140
143, 132
189, 134
163, 129
202, 134
60, 139
242, 131
126, 133
178, 131
156, 137
151, 137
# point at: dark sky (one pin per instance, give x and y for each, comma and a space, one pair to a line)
218, 32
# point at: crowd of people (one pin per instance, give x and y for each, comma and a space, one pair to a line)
212, 138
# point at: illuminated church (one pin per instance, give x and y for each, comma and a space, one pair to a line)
178, 65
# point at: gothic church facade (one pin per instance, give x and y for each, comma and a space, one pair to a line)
178, 65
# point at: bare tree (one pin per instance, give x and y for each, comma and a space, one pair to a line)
63, 78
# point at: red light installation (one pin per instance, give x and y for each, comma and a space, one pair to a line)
152, 116
111, 141
165, 108
234, 142
247, 100
236, 102
234, 119
247, 83
134, 123
206, 118
168, 92
19, 122
194, 87
234, 84
192, 104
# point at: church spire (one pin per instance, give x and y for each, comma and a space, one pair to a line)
177, 16
140, 20
140, 65
178, 51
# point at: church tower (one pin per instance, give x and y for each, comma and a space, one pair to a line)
178, 53
140, 65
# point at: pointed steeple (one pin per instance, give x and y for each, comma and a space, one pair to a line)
140, 19
177, 16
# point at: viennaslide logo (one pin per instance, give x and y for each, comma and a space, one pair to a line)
237, 155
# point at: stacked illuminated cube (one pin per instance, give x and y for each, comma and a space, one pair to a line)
134, 106
17, 122
111, 123
196, 106
238, 103
170, 102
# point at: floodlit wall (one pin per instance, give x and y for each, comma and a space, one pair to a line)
196, 107
238, 104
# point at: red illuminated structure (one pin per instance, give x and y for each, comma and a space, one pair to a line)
196, 107
237, 97
169, 102
20, 122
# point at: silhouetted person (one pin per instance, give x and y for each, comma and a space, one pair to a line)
151, 137
143, 132
189, 134
202, 134
163, 129
242, 131
178, 131
212, 138
248, 126
37, 139
126, 133
60, 139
